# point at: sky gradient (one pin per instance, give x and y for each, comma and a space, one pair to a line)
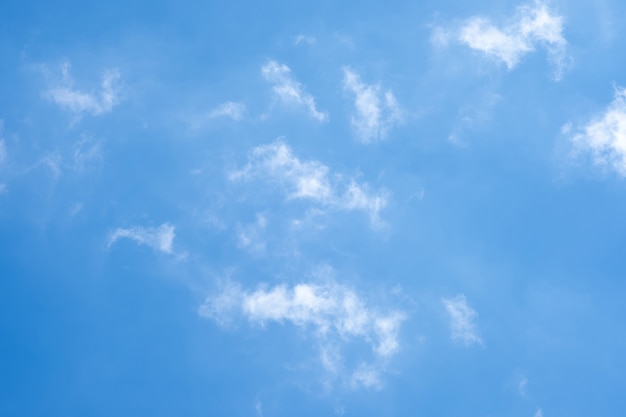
312, 208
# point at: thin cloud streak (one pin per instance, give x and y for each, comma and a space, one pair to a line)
462, 321
289, 91
229, 109
159, 238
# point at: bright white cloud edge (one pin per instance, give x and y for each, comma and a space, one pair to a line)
310, 180
533, 25
159, 238
334, 315
603, 138
376, 111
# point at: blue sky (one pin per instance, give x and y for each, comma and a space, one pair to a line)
315, 208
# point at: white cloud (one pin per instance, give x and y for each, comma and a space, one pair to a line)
85, 152
158, 238
462, 321
521, 386
603, 138
377, 111
230, 109
79, 102
539, 413
288, 90
332, 314
304, 39
310, 180
251, 236
366, 376
532, 25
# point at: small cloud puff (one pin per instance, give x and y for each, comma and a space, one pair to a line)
333, 314
532, 25
158, 238
310, 180
78, 102
462, 321
376, 111
289, 91
603, 138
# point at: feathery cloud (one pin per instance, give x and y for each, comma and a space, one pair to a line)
304, 39
604, 137
532, 25
310, 180
158, 238
462, 321
230, 109
288, 90
76, 101
251, 236
332, 314
376, 111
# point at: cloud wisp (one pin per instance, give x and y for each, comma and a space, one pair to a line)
603, 138
159, 238
462, 321
79, 102
376, 111
289, 91
332, 314
310, 180
532, 26
229, 109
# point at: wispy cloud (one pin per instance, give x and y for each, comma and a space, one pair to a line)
532, 25
230, 109
250, 236
522, 384
603, 138
289, 91
304, 39
85, 152
334, 315
159, 238
462, 321
310, 180
539, 413
376, 111
93, 102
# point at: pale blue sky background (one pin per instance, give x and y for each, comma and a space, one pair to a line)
312, 208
